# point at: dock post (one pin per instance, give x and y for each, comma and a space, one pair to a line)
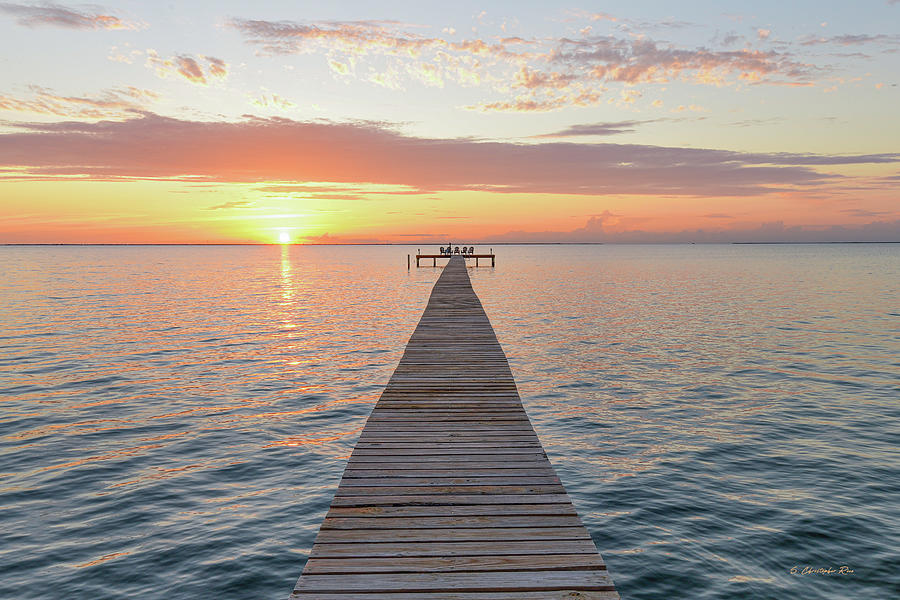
407, 262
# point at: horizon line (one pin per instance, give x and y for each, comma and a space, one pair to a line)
786, 242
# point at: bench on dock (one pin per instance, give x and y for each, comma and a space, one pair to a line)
448, 494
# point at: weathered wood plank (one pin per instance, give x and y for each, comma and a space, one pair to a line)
451, 510
566, 594
437, 473
443, 564
504, 445
475, 481
415, 490
497, 581
410, 463
458, 460
473, 521
459, 534
479, 548
450, 451
510, 500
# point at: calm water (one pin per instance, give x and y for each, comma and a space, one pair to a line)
175, 419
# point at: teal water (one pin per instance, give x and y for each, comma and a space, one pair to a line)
175, 419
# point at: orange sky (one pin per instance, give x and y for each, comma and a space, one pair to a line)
218, 125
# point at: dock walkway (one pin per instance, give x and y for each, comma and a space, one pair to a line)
448, 494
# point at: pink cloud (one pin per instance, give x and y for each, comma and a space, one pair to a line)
540, 75
116, 103
644, 61
360, 37
188, 67
61, 16
284, 150
596, 129
217, 67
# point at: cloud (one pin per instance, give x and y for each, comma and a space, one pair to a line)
598, 230
853, 39
188, 67
862, 213
531, 79
356, 37
232, 204
645, 61
612, 128
273, 101
339, 67
60, 16
216, 67
115, 103
339, 192
521, 105
283, 150
530, 74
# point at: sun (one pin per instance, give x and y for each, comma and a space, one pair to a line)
284, 238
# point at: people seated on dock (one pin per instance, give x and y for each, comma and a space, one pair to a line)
456, 251
471, 249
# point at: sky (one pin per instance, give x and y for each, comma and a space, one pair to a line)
463, 122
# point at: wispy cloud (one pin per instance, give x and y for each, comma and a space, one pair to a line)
863, 213
56, 15
363, 153
853, 39
231, 205
356, 37
116, 103
644, 60
598, 229
592, 129
267, 100
190, 68
531, 74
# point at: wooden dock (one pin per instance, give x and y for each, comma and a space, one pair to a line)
448, 494
477, 257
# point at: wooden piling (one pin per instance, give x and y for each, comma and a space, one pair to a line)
448, 494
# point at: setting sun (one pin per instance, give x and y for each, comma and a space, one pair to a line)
284, 238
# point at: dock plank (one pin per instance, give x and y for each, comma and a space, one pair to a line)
492, 581
443, 564
461, 549
448, 494
407, 510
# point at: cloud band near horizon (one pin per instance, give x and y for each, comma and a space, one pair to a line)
278, 149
